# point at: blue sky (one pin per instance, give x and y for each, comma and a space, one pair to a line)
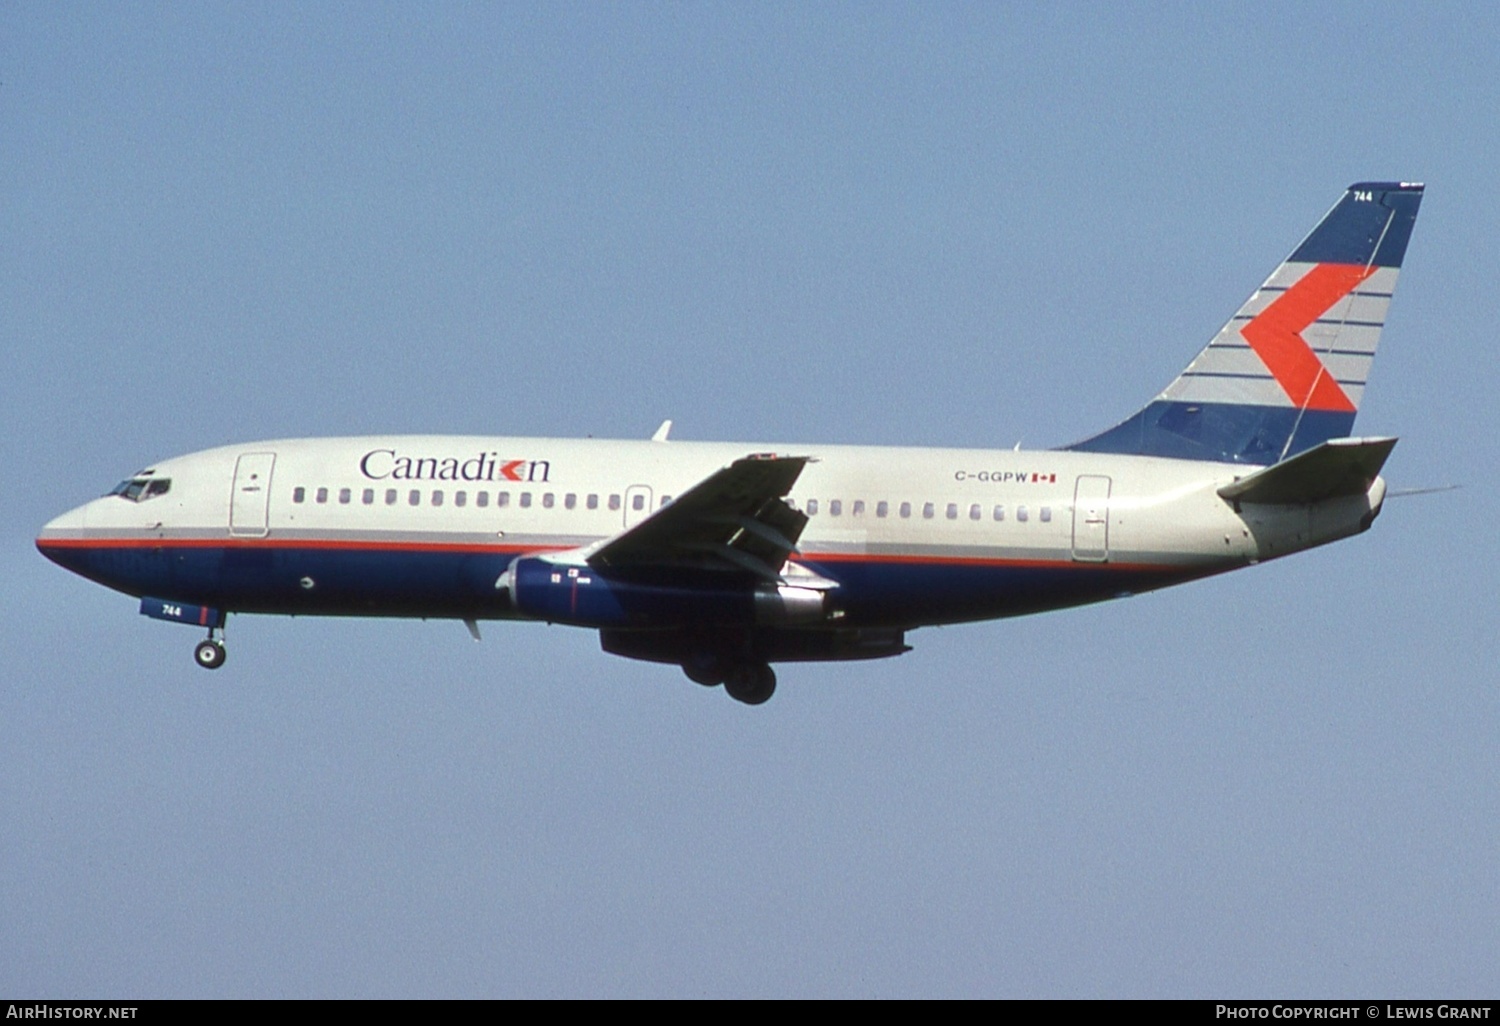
947, 225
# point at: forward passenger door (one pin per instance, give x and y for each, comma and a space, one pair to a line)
250, 500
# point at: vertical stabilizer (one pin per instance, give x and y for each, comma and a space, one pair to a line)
1288, 371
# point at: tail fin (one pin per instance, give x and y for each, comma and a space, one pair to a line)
1288, 371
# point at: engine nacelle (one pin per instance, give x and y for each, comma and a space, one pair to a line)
786, 604
583, 597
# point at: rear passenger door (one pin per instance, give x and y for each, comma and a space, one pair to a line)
1091, 519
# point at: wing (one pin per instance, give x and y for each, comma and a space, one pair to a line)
736, 520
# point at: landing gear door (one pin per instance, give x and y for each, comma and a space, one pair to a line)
1091, 519
250, 501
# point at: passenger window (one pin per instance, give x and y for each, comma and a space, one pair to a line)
952, 511
638, 502
502, 500
546, 500
812, 507
593, 501
859, 508
1021, 514
882, 508
437, 497
368, 497
570, 501
481, 499
322, 495
390, 496
299, 493
525, 500
905, 510
414, 498
1046, 514
999, 513
460, 498
666, 500
928, 509
835, 507
975, 512
345, 495
614, 502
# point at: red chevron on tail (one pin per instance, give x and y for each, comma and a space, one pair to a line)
1276, 335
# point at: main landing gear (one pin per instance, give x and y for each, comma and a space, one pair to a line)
210, 652
751, 683
748, 682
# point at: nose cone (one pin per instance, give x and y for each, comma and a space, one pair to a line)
62, 537
69, 525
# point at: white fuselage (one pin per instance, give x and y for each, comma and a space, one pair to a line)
907, 536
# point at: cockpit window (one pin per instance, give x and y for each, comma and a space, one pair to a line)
139, 489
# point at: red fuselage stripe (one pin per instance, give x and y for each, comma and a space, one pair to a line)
81, 544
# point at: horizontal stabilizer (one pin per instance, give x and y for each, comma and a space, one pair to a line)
1338, 467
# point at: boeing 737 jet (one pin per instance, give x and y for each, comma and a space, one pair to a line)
725, 558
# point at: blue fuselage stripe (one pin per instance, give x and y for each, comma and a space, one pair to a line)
443, 583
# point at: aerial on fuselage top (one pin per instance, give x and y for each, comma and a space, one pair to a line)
725, 558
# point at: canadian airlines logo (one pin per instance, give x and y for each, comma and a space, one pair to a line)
379, 464
1276, 335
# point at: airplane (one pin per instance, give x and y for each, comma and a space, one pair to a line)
726, 558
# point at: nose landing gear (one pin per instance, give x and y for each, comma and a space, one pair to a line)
210, 653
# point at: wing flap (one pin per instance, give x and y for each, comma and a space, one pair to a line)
735, 520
